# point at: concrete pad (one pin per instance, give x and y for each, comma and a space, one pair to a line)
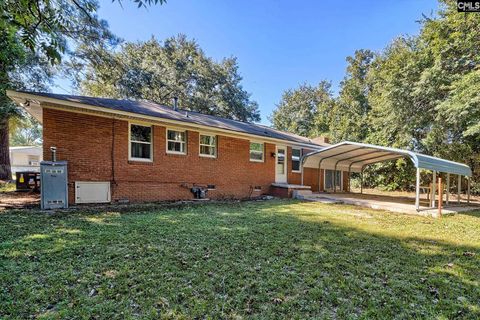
394, 204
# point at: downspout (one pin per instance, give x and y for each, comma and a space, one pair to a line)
114, 182
319, 165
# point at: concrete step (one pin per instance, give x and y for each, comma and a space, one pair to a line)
301, 194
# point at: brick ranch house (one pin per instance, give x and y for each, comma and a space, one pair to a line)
142, 151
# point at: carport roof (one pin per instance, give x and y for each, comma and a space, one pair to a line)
353, 156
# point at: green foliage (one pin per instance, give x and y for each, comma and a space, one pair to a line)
259, 260
7, 186
419, 93
350, 113
145, 3
160, 71
305, 110
25, 131
46, 27
33, 39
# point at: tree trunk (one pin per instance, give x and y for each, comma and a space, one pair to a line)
5, 168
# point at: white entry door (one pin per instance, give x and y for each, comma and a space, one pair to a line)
281, 166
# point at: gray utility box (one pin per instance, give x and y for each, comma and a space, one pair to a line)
53, 176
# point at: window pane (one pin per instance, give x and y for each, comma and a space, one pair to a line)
176, 135
329, 176
140, 150
296, 165
140, 133
208, 140
176, 146
256, 155
256, 146
328, 179
207, 150
296, 153
256, 151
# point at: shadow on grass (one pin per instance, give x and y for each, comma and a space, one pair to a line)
255, 259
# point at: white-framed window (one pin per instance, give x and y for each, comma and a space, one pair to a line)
296, 155
176, 141
208, 145
256, 151
140, 142
330, 176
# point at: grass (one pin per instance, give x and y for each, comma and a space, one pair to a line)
268, 260
7, 186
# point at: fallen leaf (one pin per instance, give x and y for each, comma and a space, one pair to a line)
277, 300
93, 292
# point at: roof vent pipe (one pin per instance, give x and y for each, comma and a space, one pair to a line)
175, 103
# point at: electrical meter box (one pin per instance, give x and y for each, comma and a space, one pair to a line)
54, 191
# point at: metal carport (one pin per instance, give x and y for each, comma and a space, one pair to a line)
354, 157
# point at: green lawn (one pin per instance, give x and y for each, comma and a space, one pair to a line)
6, 186
275, 259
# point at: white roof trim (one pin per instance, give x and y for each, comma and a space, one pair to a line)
33, 104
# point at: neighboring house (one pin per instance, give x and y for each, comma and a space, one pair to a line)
142, 151
25, 158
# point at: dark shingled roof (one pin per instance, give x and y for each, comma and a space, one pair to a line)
148, 108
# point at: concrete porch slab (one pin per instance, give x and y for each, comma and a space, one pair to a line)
394, 204
291, 186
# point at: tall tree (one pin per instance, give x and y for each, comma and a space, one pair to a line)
25, 131
33, 33
305, 110
158, 71
350, 115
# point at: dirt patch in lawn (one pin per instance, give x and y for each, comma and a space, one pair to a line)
19, 200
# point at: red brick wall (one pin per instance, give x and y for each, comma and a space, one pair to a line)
85, 141
293, 177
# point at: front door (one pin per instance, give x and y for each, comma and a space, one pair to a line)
281, 166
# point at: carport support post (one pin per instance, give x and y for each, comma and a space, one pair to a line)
434, 188
301, 169
459, 188
448, 187
361, 181
349, 180
417, 191
468, 190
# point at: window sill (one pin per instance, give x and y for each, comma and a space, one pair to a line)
171, 153
257, 161
140, 162
207, 157
296, 171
